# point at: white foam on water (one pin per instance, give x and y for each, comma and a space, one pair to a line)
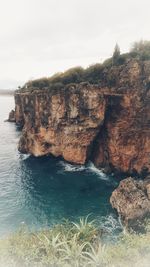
24, 156
90, 168
99, 172
68, 167
111, 224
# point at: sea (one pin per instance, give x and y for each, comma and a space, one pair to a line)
41, 192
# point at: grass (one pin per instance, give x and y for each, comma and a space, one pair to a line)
75, 245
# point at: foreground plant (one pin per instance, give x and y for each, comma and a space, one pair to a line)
76, 245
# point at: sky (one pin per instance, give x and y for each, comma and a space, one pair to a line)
41, 37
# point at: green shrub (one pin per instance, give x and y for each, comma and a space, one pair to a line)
38, 83
73, 75
74, 244
56, 86
141, 50
94, 73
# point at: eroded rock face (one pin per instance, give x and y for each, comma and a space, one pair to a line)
124, 142
63, 123
132, 200
107, 123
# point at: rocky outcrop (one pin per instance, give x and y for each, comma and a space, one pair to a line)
11, 117
107, 123
132, 201
63, 123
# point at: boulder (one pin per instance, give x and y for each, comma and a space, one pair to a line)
131, 199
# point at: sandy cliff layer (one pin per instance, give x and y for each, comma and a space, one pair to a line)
107, 123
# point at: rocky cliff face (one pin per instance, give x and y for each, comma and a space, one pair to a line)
107, 123
63, 123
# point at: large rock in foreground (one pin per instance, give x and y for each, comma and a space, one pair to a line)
132, 201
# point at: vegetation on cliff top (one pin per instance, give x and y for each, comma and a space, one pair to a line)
94, 74
74, 244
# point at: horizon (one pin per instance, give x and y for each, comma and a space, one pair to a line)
39, 40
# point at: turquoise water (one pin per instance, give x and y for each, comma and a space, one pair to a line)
43, 191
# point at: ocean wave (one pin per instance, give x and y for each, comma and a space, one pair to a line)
89, 168
99, 172
68, 167
23, 156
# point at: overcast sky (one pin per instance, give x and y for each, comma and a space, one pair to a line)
41, 37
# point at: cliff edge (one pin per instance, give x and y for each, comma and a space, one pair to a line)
108, 122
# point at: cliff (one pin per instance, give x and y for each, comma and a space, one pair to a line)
107, 123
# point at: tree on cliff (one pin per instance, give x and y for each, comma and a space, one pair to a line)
116, 54
141, 50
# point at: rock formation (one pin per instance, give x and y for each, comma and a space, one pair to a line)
11, 117
132, 200
108, 123
63, 123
